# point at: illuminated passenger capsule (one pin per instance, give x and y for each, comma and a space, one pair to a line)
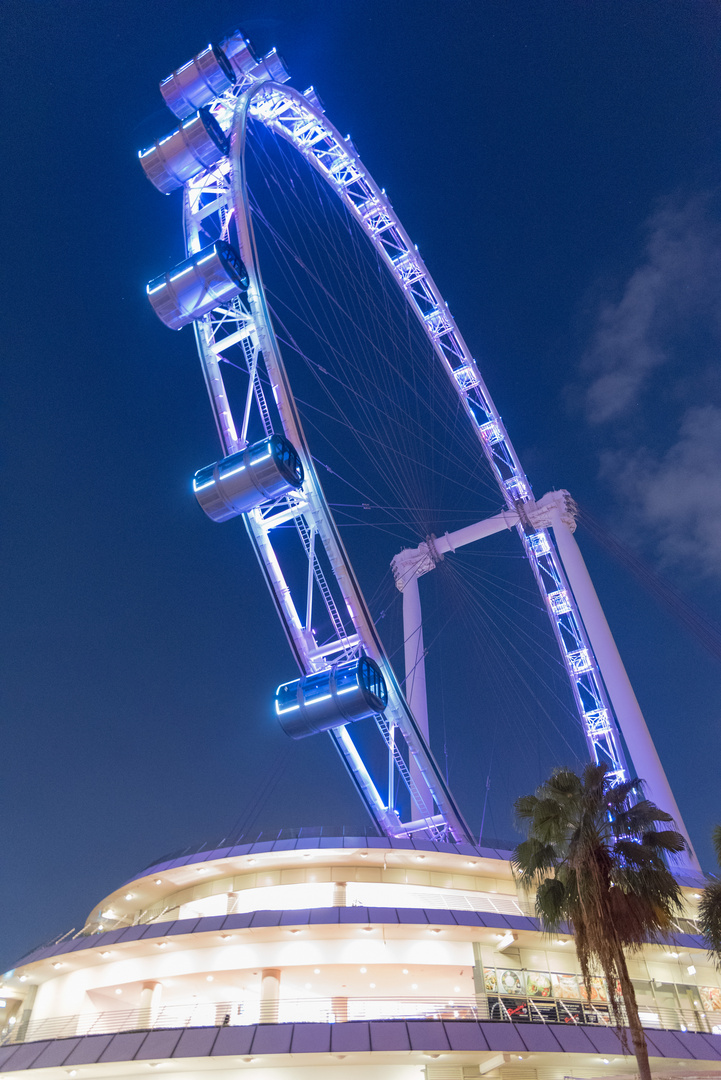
239, 483
331, 699
239, 51
271, 67
199, 81
215, 274
196, 145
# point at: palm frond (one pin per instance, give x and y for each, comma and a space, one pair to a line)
716, 841
709, 918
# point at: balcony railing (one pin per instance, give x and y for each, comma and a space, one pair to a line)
341, 1009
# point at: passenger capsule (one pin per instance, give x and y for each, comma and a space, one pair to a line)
239, 51
212, 276
239, 483
271, 67
199, 81
331, 699
196, 145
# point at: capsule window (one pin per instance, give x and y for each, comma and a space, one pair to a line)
373, 681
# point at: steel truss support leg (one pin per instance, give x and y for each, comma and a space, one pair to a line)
647, 764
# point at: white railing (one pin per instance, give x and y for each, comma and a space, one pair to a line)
340, 1009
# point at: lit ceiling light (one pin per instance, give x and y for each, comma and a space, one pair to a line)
434, 929
161, 944
250, 863
456, 989
201, 869
316, 971
57, 965
605, 1061
208, 978
118, 990
23, 978
691, 969
372, 986
363, 970
364, 854
308, 986
128, 896
697, 896
675, 955
158, 881
107, 914
420, 858
405, 971
414, 986
367, 929
105, 952
226, 936
559, 942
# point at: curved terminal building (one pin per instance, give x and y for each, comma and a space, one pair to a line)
320, 952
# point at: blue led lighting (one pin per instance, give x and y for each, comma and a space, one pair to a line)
182, 273
202, 487
234, 471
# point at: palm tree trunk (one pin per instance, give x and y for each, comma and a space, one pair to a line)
637, 1034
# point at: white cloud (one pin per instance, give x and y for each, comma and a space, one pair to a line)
675, 285
653, 391
676, 496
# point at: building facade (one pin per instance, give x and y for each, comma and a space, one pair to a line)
384, 958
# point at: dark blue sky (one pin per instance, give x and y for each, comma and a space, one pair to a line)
557, 165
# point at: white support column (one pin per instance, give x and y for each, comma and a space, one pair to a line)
415, 666
646, 762
150, 995
269, 995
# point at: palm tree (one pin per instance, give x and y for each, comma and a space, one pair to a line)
709, 910
598, 863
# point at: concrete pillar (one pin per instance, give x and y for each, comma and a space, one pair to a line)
415, 686
269, 995
646, 762
150, 996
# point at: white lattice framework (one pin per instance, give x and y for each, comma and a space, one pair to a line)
243, 333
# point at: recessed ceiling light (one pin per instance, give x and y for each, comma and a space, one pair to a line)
128, 896
308, 986
363, 970
414, 986
118, 990
208, 978
456, 989
105, 952
405, 971
372, 986
316, 971
158, 881
57, 964
23, 978
161, 944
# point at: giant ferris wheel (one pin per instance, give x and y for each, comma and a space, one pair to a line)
237, 114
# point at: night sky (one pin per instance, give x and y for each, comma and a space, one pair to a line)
557, 165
